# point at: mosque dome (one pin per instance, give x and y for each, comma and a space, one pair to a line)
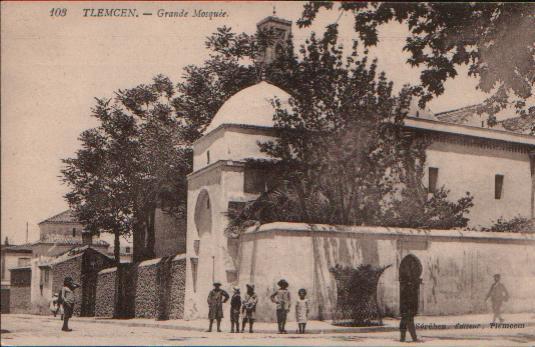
250, 106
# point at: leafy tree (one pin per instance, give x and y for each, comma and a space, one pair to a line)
496, 40
342, 153
514, 225
134, 162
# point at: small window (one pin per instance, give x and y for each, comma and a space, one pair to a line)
433, 179
73, 232
207, 157
127, 250
23, 262
47, 276
498, 186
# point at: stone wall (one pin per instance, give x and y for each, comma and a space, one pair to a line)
458, 266
19, 294
148, 289
72, 268
178, 287
105, 298
19, 299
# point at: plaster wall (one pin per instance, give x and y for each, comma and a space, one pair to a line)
472, 169
40, 297
208, 255
457, 269
229, 143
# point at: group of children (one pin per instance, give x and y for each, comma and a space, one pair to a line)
246, 306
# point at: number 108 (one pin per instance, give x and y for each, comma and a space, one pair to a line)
58, 12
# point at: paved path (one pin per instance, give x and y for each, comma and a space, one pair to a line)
39, 330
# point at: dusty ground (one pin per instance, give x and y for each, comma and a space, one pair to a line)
38, 331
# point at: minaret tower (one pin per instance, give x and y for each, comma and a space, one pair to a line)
281, 29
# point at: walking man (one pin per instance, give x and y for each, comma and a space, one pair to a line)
408, 306
497, 294
67, 300
216, 298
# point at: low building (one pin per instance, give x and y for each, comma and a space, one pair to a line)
20, 289
82, 264
12, 256
63, 232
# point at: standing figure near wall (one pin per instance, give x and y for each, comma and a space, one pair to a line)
66, 298
408, 306
249, 307
497, 294
282, 298
235, 306
216, 298
302, 309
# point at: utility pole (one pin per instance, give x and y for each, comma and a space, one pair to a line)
26, 232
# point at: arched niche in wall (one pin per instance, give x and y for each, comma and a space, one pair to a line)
203, 269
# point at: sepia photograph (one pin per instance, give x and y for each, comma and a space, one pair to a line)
267, 173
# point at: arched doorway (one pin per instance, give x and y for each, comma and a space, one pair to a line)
203, 271
410, 271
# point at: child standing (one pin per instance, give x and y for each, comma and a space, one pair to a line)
282, 298
235, 306
54, 306
249, 307
301, 310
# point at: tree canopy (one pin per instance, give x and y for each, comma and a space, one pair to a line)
495, 40
135, 161
342, 154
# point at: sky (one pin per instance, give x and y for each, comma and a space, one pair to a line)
52, 68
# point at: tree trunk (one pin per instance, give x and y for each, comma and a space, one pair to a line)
116, 247
139, 241
151, 236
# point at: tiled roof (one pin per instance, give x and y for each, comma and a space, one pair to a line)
468, 116
461, 115
25, 248
73, 253
63, 217
66, 240
522, 125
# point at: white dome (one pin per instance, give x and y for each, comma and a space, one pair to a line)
250, 106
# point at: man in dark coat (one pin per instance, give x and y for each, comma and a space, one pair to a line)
216, 298
408, 306
235, 307
497, 294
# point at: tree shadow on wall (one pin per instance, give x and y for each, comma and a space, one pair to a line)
356, 303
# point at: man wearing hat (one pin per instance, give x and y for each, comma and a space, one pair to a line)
249, 307
235, 306
282, 298
67, 300
216, 298
497, 294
